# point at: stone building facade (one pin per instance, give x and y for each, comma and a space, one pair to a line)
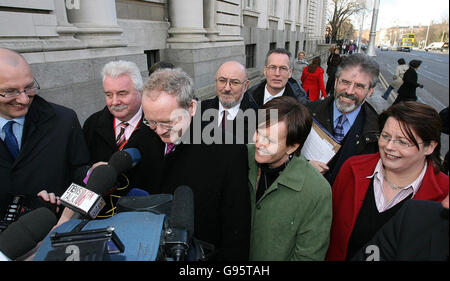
67, 42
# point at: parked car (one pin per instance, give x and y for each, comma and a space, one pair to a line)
385, 48
439, 46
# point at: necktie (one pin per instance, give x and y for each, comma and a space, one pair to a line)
169, 148
10, 139
339, 130
121, 137
224, 118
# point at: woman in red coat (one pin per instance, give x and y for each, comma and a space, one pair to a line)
369, 189
312, 80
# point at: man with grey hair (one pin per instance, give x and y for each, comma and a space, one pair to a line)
232, 109
217, 174
279, 81
346, 115
119, 124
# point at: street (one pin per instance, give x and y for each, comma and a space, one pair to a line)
433, 73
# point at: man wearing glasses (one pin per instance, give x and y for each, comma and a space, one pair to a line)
217, 174
279, 81
42, 145
228, 110
346, 115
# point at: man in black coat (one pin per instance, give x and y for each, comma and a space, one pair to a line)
418, 232
217, 174
119, 126
279, 81
48, 151
233, 110
356, 79
407, 90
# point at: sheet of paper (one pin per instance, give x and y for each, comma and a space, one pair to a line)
319, 145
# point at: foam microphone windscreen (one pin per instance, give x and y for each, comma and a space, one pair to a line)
102, 179
182, 211
23, 235
125, 159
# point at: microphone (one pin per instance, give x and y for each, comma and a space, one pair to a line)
125, 159
24, 234
181, 222
88, 201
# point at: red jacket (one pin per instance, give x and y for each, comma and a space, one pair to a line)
349, 190
313, 82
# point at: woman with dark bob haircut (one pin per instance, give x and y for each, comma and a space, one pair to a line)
290, 199
371, 188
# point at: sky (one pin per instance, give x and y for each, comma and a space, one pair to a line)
406, 12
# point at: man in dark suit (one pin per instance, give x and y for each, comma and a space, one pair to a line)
418, 232
42, 146
233, 110
119, 124
279, 81
346, 115
217, 174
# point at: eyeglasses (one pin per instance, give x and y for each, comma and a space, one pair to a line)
358, 86
401, 143
153, 125
264, 140
273, 68
222, 82
29, 91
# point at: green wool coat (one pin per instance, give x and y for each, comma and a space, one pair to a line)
292, 219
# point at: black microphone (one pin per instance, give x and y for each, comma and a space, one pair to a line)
125, 159
88, 201
24, 234
181, 222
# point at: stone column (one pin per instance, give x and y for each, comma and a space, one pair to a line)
97, 23
186, 19
209, 17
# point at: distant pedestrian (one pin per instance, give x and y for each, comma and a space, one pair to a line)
299, 65
407, 91
332, 64
312, 80
397, 78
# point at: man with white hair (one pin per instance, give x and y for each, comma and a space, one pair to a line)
119, 124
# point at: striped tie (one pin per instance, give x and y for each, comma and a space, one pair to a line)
339, 130
120, 140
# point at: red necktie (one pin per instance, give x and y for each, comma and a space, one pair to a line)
169, 148
224, 118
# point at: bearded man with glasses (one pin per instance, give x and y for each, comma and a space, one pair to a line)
42, 146
346, 115
231, 111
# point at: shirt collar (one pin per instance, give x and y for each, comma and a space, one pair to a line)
268, 96
351, 116
379, 172
19, 120
134, 121
232, 112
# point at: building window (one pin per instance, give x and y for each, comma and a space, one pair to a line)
152, 57
297, 47
250, 55
287, 45
273, 46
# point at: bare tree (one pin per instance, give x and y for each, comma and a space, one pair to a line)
340, 12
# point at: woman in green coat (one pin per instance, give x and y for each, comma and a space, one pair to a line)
291, 200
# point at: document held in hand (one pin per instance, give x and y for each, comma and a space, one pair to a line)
320, 145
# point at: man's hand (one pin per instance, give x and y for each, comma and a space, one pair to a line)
320, 166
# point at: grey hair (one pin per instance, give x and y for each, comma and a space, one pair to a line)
277, 51
367, 64
173, 81
115, 69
